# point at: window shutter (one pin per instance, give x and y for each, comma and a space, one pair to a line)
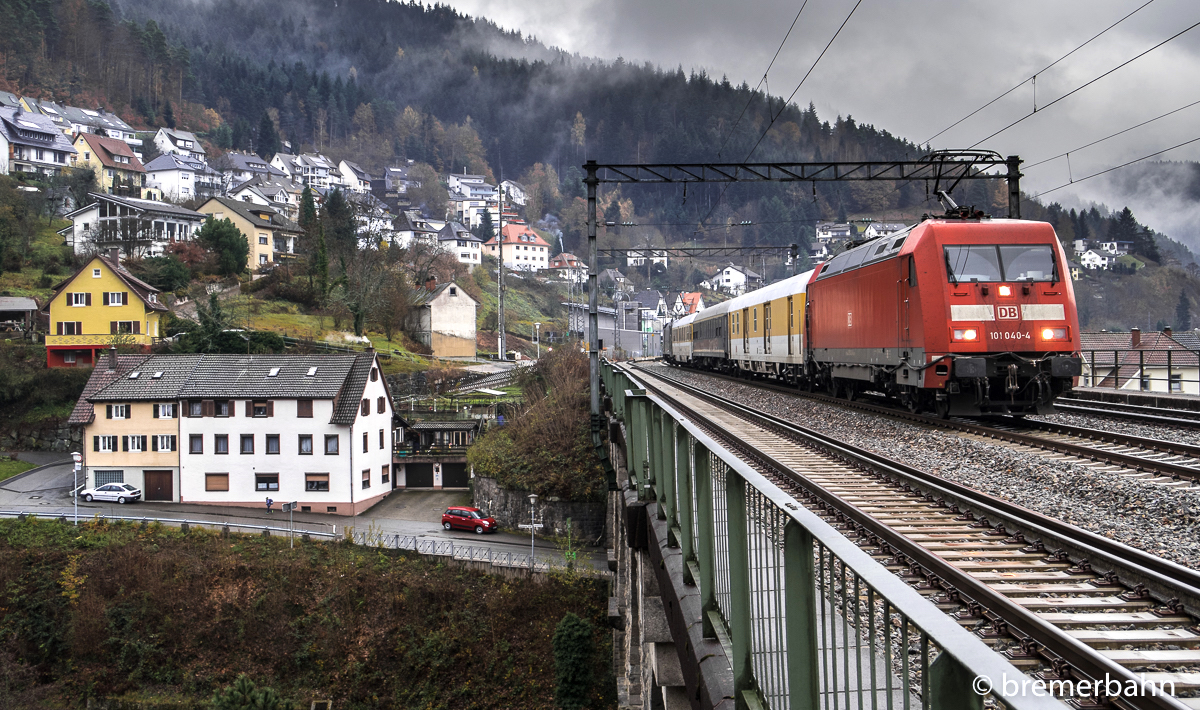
208, 408
112, 327
137, 327
108, 411
172, 442
175, 410
59, 328
124, 443
249, 408
95, 443
105, 297
270, 407
154, 443
124, 298
87, 298
143, 442
156, 411
232, 408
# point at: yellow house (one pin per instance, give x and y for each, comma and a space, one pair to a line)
102, 304
272, 237
117, 168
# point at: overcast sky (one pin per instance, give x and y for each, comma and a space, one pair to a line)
915, 67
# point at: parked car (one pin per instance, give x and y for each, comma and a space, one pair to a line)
464, 518
120, 492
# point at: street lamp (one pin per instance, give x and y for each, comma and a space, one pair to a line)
532, 526
537, 338
78, 457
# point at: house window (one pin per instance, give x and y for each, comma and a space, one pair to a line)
331, 444
366, 478
164, 411
1176, 383
453, 291
262, 258
381, 444
95, 272
163, 442
135, 443
220, 443
386, 474
304, 408
103, 478
221, 408
262, 239
104, 444
70, 327
381, 405
305, 447
272, 443
117, 327
260, 409
366, 443
216, 481
78, 299
266, 482
69, 357
1145, 381
316, 481
118, 411
195, 408
196, 443
365, 407
247, 444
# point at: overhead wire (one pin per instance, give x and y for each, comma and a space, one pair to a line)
1033, 77
1087, 84
1118, 167
1114, 135
764, 79
784, 106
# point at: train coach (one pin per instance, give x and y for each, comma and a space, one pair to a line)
960, 315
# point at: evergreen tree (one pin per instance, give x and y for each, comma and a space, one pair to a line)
338, 219
1183, 312
169, 115
224, 239
308, 224
319, 266
268, 137
486, 229
240, 135
573, 650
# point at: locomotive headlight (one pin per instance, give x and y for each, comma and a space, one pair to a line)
1004, 290
967, 334
1054, 333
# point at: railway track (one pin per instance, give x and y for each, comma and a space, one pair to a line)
1182, 418
1156, 460
1059, 601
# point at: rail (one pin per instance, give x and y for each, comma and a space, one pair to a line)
807, 617
447, 548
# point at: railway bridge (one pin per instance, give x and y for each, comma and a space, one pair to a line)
739, 587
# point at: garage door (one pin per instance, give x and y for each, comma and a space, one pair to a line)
454, 475
418, 475
158, 485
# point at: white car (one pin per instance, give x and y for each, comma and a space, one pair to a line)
120, 492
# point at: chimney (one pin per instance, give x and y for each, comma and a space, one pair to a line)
112, 359
1135, 337
1167, 331
431, 283
114, 255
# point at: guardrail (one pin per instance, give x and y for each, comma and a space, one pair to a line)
1176, 371
807, 618
68, 517
447, 548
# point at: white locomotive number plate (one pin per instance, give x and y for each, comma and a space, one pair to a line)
997, 335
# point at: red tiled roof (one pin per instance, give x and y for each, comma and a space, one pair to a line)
1155, 349
512, 235
101, 378
105, 148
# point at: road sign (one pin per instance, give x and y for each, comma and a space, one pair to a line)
289, 507
526, 526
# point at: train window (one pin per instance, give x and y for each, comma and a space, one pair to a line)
880, 249
898, 243
755, 321
856, 257
1028, 262
972, 263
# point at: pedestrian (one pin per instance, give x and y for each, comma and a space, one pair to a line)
269, 502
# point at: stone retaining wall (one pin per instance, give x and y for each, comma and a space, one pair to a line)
50, 435
511, 508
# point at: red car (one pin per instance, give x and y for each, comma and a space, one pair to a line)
465, 518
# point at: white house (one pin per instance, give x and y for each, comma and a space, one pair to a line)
238, 167
569, 267
138, 227
515, 193
410, 226
1080, 246
458, 240
834, 232
881, 229
1092, 259
444, 319
1115, 248
353, 177
309, 169
274, 192
103, 123
656, 256
182, 178
31, 143
169, 140
733, 279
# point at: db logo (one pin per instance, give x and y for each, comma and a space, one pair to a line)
1008, 313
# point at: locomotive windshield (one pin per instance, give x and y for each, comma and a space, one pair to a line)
1010, 262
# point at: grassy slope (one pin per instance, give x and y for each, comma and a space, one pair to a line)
11, 467
116, 610
25, 282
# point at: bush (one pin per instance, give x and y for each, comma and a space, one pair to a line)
26, 384
225, 240
573, 651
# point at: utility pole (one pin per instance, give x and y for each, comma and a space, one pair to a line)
592, 180
500, 277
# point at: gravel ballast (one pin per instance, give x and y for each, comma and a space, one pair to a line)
1161, 520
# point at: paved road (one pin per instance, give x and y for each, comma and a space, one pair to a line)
405, 512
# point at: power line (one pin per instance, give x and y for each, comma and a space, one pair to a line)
1084, 86
1118, 167
1034, 75
760, 81
1089, 145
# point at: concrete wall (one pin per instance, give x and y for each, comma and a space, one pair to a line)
511, 508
